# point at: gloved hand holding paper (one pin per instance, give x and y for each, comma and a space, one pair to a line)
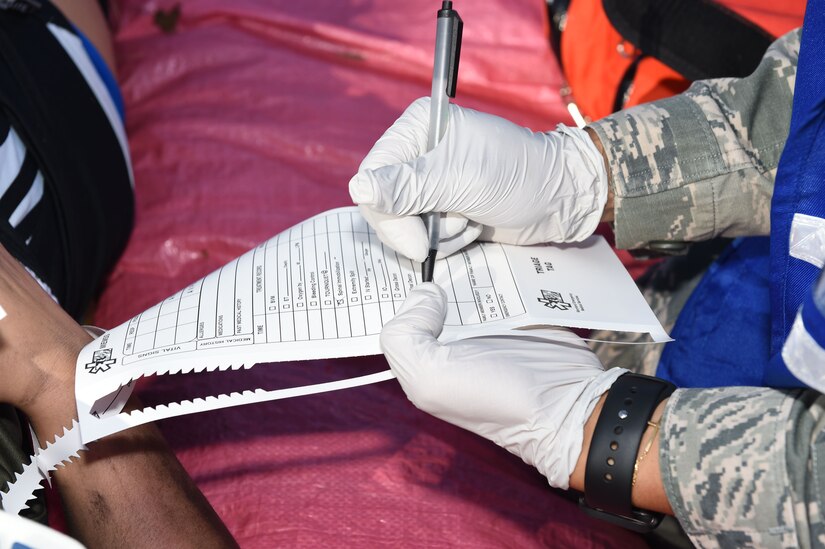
536, 406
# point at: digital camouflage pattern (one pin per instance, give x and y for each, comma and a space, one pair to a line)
702, 164
742, 466
690, 168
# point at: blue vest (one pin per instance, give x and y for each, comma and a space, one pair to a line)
733, 328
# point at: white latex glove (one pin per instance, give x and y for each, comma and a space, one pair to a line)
487, 175
526, 393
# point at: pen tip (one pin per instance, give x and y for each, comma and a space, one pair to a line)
428, 267
446, 5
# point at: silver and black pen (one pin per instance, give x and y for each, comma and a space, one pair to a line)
445, 78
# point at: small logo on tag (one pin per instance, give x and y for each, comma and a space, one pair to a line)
101, 361
554, 300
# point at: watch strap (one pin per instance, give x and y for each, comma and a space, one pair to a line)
614, 448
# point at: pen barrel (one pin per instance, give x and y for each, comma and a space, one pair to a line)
439, 105
439, 100
431, 222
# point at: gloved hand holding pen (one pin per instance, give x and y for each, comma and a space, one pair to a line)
493, 179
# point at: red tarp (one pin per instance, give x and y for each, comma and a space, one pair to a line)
252, 116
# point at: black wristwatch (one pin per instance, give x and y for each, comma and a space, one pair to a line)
608, 476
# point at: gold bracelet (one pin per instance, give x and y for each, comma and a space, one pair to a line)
644, 452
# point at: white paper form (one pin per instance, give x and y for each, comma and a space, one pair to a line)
325, 288
583, 285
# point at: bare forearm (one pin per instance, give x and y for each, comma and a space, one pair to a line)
128, 490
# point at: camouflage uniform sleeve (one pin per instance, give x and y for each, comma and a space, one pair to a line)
743, 466
702, 164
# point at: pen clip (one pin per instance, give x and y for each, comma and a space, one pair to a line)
455, 53
456, 29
